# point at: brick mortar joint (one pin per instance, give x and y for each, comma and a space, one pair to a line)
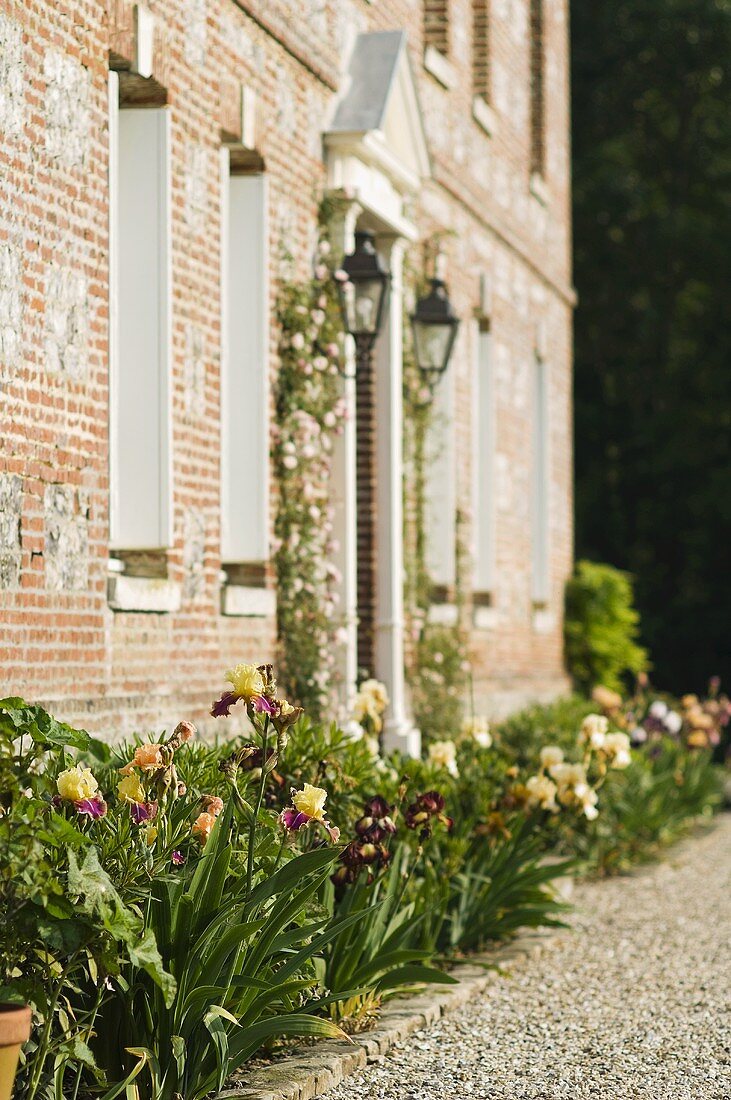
403, 1016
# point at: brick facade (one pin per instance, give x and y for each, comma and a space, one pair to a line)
506, 231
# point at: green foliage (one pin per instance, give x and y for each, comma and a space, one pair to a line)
309, 414
651, 179
503, 887
601, 627
378, 953
646, 808
63, 925
437, 668
439, 681
522, 735
241, 965
161, 944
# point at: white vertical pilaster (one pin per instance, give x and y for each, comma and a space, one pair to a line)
342, 241
399, 731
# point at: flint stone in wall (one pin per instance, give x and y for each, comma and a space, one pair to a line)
10, 515
239, 40
11, 77
66, 316
66, 513
349, 22
317, 16
194, 373
196, 188
194, 554
11, 302
194, 21
66, 108
286, 104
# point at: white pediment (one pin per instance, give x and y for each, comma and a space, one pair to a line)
376, 144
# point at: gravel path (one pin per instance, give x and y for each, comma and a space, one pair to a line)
636, 1002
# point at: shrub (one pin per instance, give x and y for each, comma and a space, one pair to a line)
601, 627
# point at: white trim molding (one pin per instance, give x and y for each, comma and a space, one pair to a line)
440, 67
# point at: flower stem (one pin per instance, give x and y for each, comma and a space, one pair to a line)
257, 807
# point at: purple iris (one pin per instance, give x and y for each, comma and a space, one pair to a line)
177, 858
92, 807
142, 811
293, 818
222, 707
261, 703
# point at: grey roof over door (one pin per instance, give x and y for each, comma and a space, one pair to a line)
372, 70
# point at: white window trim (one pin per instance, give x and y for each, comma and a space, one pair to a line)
484, 509
113, 292
117, 539
541, 485
441, 485
231, 551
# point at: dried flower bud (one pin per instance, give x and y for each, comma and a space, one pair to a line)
184, 731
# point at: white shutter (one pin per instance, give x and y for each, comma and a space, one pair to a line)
441, 487
141, 414
113, 290
244, 369
484, 458
541, 484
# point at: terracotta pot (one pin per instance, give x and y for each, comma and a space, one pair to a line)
14, 1031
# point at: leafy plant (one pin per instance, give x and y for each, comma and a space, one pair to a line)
601, 627
503, 886
64, 925
380, 952
241, 961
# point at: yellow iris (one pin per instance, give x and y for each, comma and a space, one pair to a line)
130, 789
247, 681
76, 783
311, 801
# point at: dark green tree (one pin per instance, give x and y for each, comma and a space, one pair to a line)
652, 191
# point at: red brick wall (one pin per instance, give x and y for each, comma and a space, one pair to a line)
59, 640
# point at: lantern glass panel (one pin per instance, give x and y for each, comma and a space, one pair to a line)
361, 304
432, 344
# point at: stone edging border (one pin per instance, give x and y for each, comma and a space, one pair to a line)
310, 1071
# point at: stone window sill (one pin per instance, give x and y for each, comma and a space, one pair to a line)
543, 620
484, 115
248, 602
439, 66
484, 617
442, 614
151, 594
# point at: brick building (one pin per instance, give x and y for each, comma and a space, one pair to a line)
161, 170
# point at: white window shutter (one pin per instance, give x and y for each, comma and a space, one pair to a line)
141, 412
540, 484
484, 458
113, 346
244, 369
441, 488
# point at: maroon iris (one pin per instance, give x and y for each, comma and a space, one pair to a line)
142, 811
91, 807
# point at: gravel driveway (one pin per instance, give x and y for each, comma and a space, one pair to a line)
635, 1002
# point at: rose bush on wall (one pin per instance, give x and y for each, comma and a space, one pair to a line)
310, 412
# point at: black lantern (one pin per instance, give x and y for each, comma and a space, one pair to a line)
363, 295
435, 327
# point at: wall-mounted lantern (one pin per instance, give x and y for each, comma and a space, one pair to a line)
435, 326
363, 294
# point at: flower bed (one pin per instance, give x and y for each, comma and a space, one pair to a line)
170, 907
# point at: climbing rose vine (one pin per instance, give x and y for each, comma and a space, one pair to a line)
310, 414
